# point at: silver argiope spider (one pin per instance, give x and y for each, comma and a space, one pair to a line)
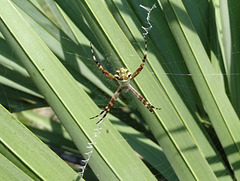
123, 76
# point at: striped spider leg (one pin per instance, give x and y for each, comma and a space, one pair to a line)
123, 76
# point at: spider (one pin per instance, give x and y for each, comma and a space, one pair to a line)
123, 76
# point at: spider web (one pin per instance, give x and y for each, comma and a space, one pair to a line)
120, 111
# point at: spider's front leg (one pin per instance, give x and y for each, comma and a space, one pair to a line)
143, 61
108, 107
105, 72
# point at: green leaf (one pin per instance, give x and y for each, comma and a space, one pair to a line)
70, 102
214, 98
28, 153
8, 171
230, 47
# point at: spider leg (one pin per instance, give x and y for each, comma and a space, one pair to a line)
108, 107
141, 98
105, 72
143, 61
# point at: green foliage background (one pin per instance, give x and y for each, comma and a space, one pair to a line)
192, 73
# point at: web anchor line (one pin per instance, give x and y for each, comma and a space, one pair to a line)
147, 29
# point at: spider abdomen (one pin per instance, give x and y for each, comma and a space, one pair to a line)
125, 88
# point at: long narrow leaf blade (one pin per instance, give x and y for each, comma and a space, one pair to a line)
36, 156
214, 98
112, 158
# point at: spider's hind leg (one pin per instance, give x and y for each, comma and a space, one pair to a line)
149, 106
105, 109
108, 107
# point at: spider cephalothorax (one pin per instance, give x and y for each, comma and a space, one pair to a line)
123, 76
